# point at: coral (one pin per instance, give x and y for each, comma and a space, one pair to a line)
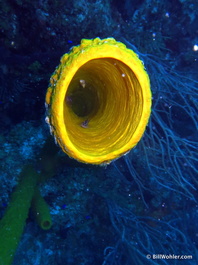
140, 237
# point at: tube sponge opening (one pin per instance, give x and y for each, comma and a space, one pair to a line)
99, 101
40, 210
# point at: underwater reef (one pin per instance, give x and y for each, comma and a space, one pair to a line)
144, 204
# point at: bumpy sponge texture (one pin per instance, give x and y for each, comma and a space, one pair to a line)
98, 101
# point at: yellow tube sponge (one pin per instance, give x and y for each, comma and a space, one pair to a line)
99, 101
